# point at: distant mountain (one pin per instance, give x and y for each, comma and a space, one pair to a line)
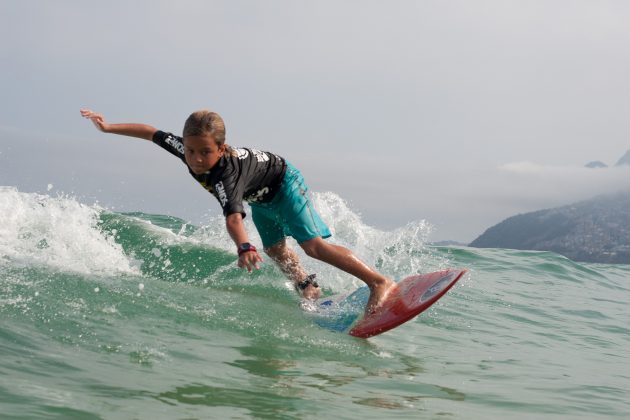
596, 164
596, 230
625, 159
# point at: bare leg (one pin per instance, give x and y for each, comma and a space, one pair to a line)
345, 260
289, 263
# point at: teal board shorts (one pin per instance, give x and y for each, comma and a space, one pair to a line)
289, 213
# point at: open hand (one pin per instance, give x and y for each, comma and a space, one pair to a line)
97, 119
249, 260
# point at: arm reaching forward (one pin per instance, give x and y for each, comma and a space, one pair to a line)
141, 131
248, 260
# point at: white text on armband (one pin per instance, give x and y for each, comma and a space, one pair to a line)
177, 145
220, 189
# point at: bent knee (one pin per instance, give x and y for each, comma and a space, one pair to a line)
313, 247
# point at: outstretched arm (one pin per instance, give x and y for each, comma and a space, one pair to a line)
141, 131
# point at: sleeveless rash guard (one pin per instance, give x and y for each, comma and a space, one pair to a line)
250, 175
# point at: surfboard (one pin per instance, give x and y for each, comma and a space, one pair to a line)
409, 298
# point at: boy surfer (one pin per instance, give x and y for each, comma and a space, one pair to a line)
275, 191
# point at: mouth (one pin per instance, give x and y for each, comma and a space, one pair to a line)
198, 169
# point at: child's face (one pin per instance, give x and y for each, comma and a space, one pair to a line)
202, 153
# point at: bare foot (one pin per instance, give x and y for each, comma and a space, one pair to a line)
378, 295
311, 292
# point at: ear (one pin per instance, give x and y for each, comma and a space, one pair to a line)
222, 149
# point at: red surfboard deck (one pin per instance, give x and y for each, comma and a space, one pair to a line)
409, 298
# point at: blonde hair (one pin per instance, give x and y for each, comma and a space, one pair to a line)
204, 122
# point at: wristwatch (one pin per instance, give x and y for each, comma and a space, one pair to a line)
245, 247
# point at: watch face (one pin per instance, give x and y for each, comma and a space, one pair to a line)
246, 247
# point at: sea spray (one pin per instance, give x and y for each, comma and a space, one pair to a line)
526, 335
57, 231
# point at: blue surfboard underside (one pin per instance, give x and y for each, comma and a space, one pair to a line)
339, 315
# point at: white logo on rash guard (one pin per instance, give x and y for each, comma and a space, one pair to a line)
172, 141
244, 154
241, 153
260, 156
221, 193
258, 195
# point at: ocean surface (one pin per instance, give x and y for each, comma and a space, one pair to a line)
134, 316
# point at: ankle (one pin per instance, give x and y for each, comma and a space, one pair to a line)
381, 282
308, 288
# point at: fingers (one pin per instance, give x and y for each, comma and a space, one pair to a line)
250, 261
88, 113
96, 118
253, 259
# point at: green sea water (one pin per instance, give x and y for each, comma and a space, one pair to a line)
134, 316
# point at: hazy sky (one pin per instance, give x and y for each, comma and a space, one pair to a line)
462, 113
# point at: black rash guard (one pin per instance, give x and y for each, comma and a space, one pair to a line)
250, 175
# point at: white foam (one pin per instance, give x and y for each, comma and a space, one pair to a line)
58, 232
396, 253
